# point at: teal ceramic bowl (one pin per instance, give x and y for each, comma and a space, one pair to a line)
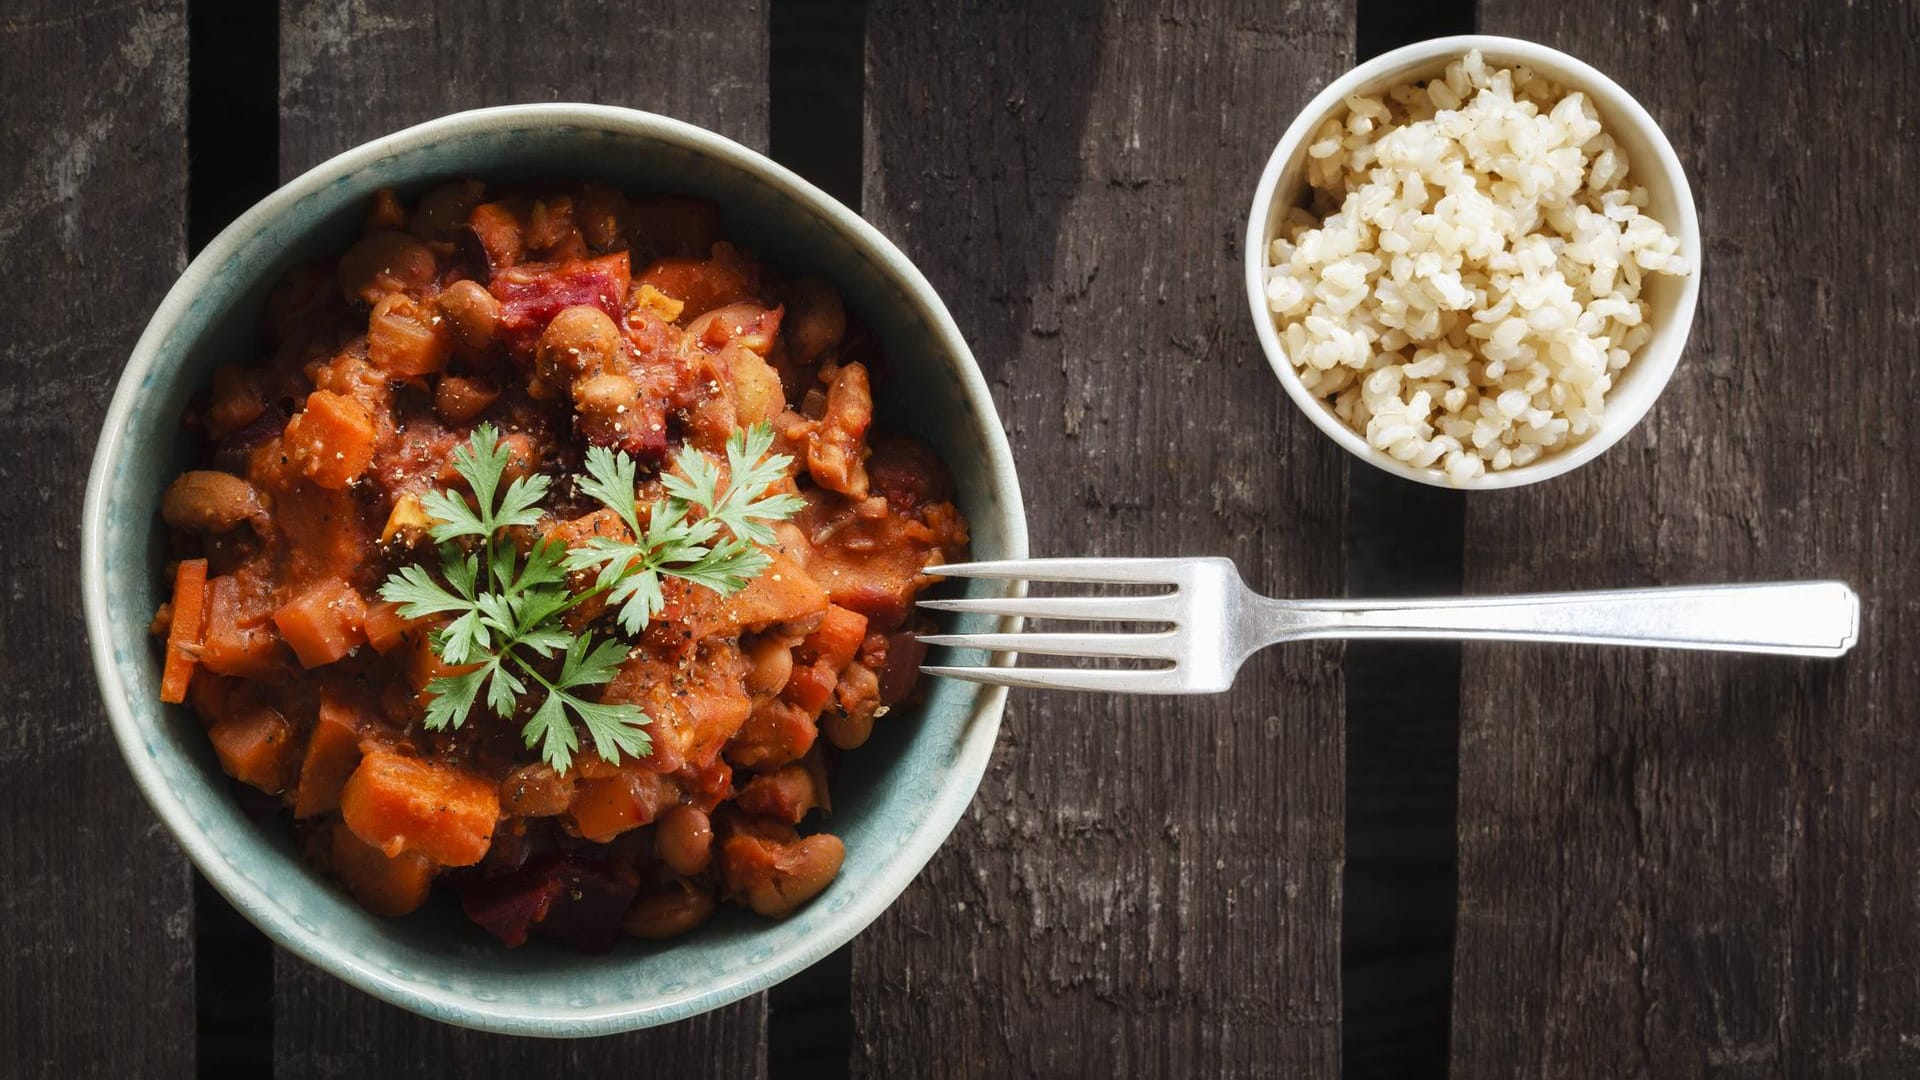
895, 800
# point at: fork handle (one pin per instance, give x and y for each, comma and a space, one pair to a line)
1810, 618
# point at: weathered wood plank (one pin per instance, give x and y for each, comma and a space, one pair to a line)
96, 911
353, 72
1141, 887
1677, 865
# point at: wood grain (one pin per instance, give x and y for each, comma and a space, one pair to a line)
1683, 865
1142, 887
351, 72
96, 909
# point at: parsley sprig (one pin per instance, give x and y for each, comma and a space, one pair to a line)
671, 543
508, 607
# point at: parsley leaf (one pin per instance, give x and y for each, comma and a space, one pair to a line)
508, 606
673, 543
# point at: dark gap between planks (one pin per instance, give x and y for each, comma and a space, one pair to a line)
816, 79
1403, 729
233, 136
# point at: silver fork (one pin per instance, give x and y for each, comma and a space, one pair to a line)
1216, 622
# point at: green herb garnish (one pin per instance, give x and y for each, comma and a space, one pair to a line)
672, 545
507, 609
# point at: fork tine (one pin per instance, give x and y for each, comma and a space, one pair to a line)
1161, 608
1158, 681
1140, 571
1145, 646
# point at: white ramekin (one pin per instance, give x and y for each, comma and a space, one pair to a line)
1654, 166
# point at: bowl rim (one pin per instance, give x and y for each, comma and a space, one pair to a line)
1652, 368
943, 809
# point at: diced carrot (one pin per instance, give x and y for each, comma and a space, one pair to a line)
603, 809
241, 640
401, 804
383, 885
784, 593
255, 746
189, 630
332, 752
386, 630
331, 440
324, 623
405, 339
838, 639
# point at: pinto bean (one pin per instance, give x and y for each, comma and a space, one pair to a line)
385, 262
684, 840
523, 456
605, 394
785, 794
459, 399
209, 502
581, 340
473, 311
678, 909
442, 211
770, 665
816, 319
237, 401
535, 791
775, 877
748, 323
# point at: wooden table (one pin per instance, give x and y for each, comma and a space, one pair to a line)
1666, 864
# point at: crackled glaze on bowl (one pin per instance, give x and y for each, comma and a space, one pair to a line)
895, 800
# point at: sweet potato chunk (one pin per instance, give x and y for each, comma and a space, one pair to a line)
603, 809
332, 752
324, 623
405, 338
255, 747
331, 441
400, 804
784, 594
240, 637
386, 629
385, 885
838, 639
